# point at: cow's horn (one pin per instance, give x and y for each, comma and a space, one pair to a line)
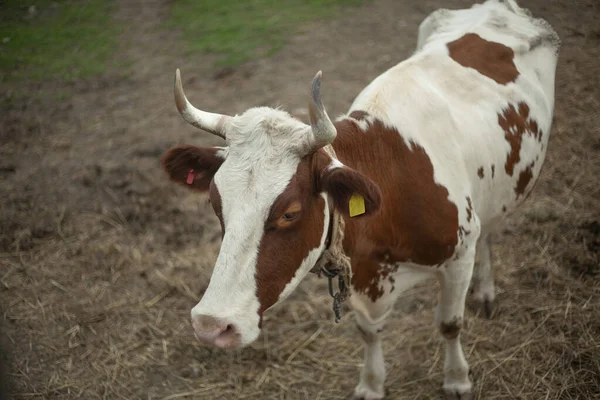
323, 130
213, 123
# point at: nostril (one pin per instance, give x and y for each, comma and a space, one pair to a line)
214, 331
207, 327
228, 331
228, 337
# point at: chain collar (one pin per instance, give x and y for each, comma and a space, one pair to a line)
333, 261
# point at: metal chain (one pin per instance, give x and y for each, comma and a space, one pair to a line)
334, 262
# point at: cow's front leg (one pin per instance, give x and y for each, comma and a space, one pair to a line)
372, 375
373, 301
372, 304
454, 283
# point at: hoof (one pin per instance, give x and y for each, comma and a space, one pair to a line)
489, 308
458, 391
485, 304
364, 393
485, 307
457, 396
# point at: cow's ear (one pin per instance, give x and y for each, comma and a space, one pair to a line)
353, 194
193, 167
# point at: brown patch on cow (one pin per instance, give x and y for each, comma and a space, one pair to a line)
524, 179
451, 329
494, 60
503, 208
515, 122
493, 170
359, 115
480, 172
366, 278
469, 209
416, 222
273, 270
369, 275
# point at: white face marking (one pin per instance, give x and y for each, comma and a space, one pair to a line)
259, 165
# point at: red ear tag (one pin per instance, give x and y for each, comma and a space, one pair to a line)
190, 177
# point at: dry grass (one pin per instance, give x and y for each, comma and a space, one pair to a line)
101, 259
119, 327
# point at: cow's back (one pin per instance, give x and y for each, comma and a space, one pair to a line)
478, 96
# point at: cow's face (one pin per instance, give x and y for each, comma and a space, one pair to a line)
273, 190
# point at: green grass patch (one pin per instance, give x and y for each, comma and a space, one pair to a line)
68, 39
243, 30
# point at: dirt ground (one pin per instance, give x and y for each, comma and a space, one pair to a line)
101, 258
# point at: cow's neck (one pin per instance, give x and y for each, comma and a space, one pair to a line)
353, 150
407, 228
354, 146
358, 141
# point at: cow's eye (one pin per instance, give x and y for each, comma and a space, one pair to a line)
290, 216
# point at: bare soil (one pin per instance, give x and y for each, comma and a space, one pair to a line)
101, 258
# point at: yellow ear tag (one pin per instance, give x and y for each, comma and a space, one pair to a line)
357, 205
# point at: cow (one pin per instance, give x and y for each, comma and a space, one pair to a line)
413, 180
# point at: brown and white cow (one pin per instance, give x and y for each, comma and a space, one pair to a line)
440, 147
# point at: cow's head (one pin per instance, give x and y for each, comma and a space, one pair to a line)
273, 189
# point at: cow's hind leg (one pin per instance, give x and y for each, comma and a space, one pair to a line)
483, 280
454, 282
